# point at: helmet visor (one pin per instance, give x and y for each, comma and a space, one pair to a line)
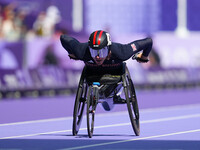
102, 53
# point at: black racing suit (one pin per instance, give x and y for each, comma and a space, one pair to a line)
119, 53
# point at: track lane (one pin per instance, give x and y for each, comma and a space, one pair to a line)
182, 114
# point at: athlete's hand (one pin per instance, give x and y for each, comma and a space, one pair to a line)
72, 56
141, 59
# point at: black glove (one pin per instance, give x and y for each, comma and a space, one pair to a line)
142, 60
139, 59
73, 57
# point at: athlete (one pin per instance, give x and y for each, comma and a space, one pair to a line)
103, 55
100, 50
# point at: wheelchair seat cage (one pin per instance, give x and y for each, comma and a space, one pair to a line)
93, 87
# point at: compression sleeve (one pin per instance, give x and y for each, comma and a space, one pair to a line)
73, 46
121, 51
125, 51
145, 45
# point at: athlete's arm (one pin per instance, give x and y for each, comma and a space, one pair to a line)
144, 44
125, 51
73, 46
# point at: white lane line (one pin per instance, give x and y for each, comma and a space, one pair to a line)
35, 134
112, 125
148, 110
136, 139
171, 118
36, 121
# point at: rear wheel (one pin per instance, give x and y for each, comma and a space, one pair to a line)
79, 105
132, 103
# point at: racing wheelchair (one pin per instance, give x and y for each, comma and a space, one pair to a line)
94, 87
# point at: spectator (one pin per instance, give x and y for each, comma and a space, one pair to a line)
46, 21
19, 23
50, 58
8, 28
38, 25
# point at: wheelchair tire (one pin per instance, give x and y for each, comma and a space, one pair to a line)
132, 103
91, 108
79, 105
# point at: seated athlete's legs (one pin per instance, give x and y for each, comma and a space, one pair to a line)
108, 104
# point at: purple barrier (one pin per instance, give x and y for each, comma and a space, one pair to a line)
174, 75
11, 55
54, 77
49, 78
41, 78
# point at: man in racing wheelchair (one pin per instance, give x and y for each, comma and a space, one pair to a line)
102, 57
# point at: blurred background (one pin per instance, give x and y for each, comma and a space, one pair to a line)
33, 63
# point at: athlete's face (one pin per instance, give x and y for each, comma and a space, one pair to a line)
99, 61
99, 55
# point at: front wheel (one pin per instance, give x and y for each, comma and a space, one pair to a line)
92, 99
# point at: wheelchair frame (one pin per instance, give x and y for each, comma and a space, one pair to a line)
88, 93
